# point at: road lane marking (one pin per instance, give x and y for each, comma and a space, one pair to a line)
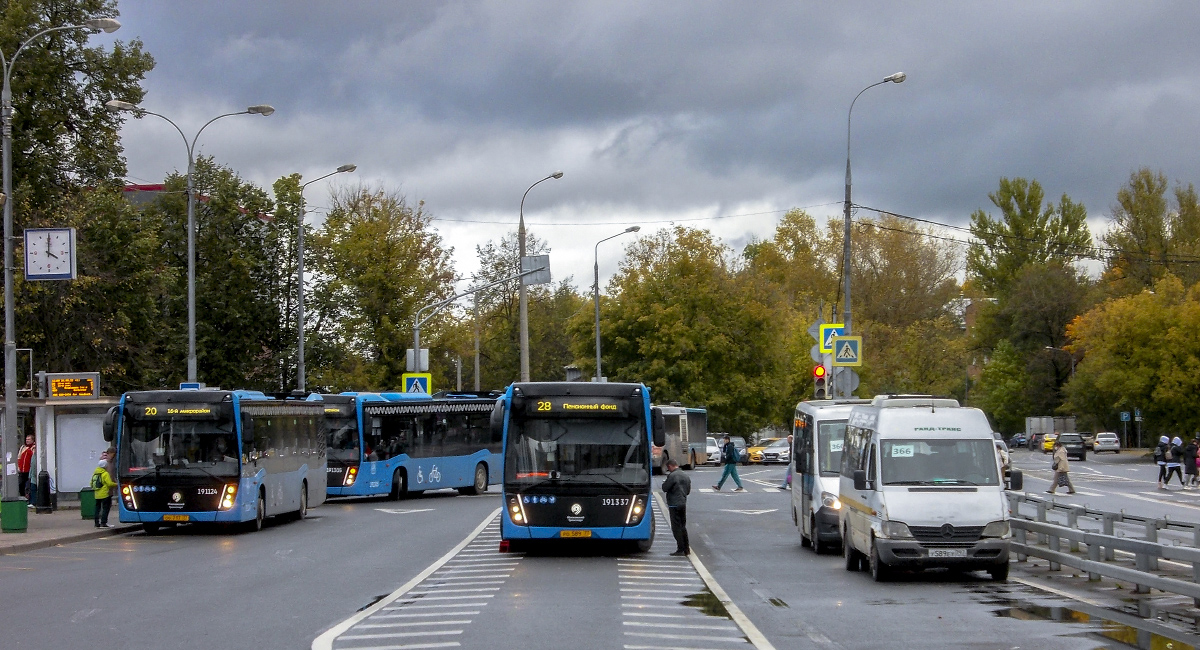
325, 640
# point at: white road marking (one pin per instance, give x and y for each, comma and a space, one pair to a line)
683, 626
398, 511
463, 621
395, 635
427, 614
685, 637
750, 512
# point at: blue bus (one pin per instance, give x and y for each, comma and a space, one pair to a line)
577, 462
400, 444
216, 456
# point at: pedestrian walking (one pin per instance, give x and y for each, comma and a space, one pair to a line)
676, 489
1174, 458
1062, 477
729, 456
1160, 459
102, 484
787, 480
1189, 463
24, 460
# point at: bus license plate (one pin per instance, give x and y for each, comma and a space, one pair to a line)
947, 552
175, 517
574, 533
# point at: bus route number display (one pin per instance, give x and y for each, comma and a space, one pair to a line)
566, 406
74, 385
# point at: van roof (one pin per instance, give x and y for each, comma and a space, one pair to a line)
894, 401
922, 420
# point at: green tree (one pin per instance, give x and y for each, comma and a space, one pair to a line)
1027, 232
1149, 237
1002, 388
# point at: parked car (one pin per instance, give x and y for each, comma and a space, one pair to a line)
1048, 442
1018, 440
1073, 443
777, 452
757, 450
1106, 441
743, 454
714, 452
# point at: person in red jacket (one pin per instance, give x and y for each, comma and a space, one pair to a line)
24, 460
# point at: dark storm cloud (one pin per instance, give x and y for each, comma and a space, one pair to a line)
660, 110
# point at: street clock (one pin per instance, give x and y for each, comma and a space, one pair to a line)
50, 254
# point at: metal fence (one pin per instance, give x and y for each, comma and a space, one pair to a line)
1114, 544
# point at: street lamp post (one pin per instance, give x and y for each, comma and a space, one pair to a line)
523, 299
596, 293
898, 77
118, 106
344, 169
8, 442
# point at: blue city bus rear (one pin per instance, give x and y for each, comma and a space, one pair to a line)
577, 462
408, 443
212, 456
348, 474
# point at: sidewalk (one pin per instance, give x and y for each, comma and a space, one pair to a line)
63, 526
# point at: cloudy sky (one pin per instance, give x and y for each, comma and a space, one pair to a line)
714, 114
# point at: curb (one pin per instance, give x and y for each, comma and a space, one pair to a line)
70, 539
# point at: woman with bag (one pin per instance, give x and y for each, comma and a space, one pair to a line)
1061, 469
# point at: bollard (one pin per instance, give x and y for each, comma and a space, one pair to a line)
43, 505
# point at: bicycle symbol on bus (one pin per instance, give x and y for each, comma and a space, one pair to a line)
435, 476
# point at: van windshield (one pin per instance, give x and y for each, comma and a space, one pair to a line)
830, 437
938, 462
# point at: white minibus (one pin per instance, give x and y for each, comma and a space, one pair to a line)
921, 487
818, 432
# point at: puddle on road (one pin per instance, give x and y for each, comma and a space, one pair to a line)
1127, 636
708, 603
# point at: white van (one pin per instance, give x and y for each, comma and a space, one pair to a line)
818, 432
921, 486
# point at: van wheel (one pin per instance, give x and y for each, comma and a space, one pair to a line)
480, 484
815, 537
999, 573
880, 572
851, 556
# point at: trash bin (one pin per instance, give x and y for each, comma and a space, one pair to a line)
87, 503
14, 515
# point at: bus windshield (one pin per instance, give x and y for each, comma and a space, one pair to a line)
577, 450
831, 436
938, 462
177, 446
341, 437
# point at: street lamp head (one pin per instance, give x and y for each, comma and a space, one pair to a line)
346, 168
633, 229
897, 78
116, 106
260, 109
556, 175
106, 25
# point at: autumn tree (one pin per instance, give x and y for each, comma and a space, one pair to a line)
1151, 236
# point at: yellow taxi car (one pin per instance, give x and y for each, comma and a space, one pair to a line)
1048, 442
756, 452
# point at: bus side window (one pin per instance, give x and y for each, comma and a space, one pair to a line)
871, 465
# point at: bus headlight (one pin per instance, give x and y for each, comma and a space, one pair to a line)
830, 501
228, 496
896, 530
351, 475
127, 497
637, 508
996, 529
516, 511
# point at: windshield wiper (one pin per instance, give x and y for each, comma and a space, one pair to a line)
909, 483
954, 481
623, 486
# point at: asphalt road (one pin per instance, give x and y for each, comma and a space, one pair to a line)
291, 583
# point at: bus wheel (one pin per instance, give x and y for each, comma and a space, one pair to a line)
151, 529
399, 485
691, 461
303, 511
260, 514
480, 484
643, 545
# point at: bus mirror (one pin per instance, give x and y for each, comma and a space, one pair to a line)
1016, 480
518, 403
659, 427
860, 479
110, 424
497, 420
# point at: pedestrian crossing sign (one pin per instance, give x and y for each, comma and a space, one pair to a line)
828, 332
417, 382
847, 351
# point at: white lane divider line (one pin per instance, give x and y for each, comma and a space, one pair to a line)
338, 632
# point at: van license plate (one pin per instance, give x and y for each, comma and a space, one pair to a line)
947, 552
175, 517
574, 533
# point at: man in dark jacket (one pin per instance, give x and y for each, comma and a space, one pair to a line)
676, 488
730, 456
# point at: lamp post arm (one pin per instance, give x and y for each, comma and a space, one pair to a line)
193, 145
21, 48
848, 114
527, 193
436, 307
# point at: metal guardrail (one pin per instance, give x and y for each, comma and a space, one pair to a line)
1102, 545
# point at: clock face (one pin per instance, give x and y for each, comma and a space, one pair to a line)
50, 253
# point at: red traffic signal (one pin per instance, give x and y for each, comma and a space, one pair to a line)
820, 389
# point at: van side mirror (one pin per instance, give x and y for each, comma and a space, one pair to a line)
1016, 480
110, 424
659, 427
860, 479
496, 423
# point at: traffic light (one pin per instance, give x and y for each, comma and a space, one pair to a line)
820, 390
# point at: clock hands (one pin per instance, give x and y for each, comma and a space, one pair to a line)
48, 247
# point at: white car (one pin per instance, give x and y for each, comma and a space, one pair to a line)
714, 452
1106, 442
